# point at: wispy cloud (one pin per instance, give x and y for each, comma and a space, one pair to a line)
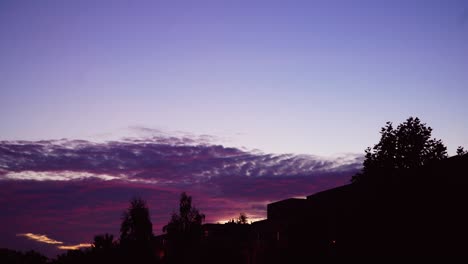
80, 188
47, 240
41, 238
55, 175
75, 247
157, 160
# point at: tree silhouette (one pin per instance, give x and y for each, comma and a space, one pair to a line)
408, 146
104, 249
136, 232
29, 257
103, 242
136, 224
73, 257
461, 151
241, 219
188, 220
184, 231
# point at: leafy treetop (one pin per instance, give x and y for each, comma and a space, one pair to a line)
136, 224
461, 151
408, 146
188, 219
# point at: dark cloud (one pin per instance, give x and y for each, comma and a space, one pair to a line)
167, 161
72, 190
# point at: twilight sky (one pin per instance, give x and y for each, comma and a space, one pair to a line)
70, 191
315, 77
103, 100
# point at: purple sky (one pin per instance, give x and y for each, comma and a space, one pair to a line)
223, 88
73, 190
315, 77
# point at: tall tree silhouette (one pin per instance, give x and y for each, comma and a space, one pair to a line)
136, 224
136, 232
184, 231
408, 146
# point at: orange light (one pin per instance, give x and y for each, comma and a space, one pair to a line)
75, 247
41, 238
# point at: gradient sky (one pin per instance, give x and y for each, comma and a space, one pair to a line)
70, 191
315, 77
207, 97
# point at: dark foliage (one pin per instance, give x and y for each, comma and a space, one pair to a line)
104, 249
408, 146
136, 233
104, 242
136, 225
241, 219
74, 257
8, 256
184, 232
461, 151
417, 209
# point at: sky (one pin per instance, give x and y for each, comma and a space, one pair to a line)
70, 191
240, 103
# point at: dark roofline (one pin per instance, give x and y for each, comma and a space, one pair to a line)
330, 191
288, 200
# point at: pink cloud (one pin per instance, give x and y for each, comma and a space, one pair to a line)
59, 188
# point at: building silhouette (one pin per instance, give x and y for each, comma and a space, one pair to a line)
418, 212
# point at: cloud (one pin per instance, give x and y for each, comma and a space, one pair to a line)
55, 175
45, 239
41, 238
75, 189
148, 159
75, 247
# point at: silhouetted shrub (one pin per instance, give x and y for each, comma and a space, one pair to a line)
408, 146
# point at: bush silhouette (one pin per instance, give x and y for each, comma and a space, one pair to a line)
461, 151
408, 146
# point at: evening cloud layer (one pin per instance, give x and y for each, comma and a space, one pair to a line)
80, 188
165, 161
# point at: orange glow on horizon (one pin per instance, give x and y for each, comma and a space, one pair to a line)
249, 219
